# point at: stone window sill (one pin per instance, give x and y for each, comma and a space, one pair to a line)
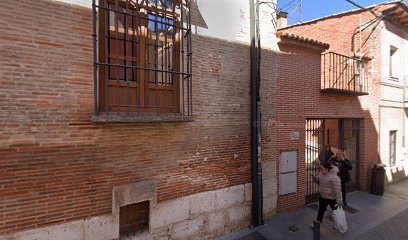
113, 118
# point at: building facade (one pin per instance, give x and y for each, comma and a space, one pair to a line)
310, 115
138, 128
380, 36
132, 119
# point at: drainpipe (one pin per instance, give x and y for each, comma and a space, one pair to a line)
257, 195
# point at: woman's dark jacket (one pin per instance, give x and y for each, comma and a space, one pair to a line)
344, 168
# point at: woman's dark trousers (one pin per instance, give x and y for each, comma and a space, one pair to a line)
323, 203
343, 192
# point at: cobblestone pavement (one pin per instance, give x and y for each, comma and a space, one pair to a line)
395, 228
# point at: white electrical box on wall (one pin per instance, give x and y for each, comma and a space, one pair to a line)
288, 172
288, 162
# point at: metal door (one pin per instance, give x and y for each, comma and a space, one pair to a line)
349, 140
314, 144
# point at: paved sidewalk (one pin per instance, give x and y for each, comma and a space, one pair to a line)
378, 217
393, 229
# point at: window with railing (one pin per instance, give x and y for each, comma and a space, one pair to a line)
143, 58
343, 74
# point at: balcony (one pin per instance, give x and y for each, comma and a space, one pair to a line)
343, 75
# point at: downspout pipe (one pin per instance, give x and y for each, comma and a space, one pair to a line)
256, 167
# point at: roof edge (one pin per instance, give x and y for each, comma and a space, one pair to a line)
286, 37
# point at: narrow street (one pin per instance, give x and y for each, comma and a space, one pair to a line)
370, 217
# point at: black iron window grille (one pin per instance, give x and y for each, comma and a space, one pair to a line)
343, 74
142, 58
134, 219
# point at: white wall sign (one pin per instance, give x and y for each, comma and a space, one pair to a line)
294, 136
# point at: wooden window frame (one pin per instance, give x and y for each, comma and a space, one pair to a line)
143, 86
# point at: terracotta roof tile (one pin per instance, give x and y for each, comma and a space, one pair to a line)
283, 34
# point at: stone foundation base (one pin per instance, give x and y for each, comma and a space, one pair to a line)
201, 216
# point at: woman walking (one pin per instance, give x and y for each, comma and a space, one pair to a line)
344, 165
329, 189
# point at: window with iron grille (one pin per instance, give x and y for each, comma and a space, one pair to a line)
142, 57
134, 219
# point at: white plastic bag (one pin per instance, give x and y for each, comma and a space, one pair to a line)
340, 222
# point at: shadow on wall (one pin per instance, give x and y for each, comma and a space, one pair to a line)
76, 162
297, 97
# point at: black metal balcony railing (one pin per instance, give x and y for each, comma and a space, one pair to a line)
343, 74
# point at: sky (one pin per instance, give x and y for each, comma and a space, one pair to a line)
312, 9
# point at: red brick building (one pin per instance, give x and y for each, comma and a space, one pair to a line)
320, 118
106, 132
360, 107
71, 170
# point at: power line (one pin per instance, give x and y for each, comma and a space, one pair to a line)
361, 7
289, 5
293, 7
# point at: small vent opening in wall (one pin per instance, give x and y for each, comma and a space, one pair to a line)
134, 219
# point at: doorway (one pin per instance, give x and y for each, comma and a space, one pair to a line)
340, 134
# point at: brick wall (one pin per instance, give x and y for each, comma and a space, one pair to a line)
57, 166
297, 97
386, 94
337, 30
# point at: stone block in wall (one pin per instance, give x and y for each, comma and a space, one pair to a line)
140, 236
188, 228
228, 197
134, 193
269, 206
202, 203
248, 192
268, 170
216, 221
67, 231
238, 213
269, 186
162, 238
101, 228
160, 233
169, 212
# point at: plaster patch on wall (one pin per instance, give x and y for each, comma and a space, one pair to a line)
84, 3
